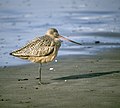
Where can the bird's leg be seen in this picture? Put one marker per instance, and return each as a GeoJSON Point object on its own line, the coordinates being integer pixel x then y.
{"type": "Point", "coordinates": [40, 69]}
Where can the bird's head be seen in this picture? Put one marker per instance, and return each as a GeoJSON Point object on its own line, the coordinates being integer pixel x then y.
{"type": "Point", "coordinates": [52, 32]}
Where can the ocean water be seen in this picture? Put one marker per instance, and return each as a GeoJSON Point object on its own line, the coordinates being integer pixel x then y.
{"type": "Point", "coordinates": [84, 21]}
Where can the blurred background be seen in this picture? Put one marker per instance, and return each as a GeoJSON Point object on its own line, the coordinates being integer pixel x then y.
{"type": "Point", "coordinates": [94, 23]}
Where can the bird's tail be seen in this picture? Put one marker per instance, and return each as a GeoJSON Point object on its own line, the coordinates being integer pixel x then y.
{"type": "Point", "coordinates": [11, 53]}
{"type": "Point", "coordinates": [14, 54]}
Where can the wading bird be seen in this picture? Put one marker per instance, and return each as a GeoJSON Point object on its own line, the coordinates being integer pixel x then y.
{"type": "Point", "coordinates": [42, 49]}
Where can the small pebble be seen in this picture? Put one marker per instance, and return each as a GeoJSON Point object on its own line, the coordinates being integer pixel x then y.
{"type": "Point", "coordinates": [56, 60]}
{"type": "Point", "coordinates": [51, 68]}
{"type": "Point", "coordinates": [22, 79]}
{"type": "Point", "coordinates": [2, 99]}
{"type": "Point", "coordinates": [65, 80]}
{"type": "Point", "coordinates": [97, 42]}
{"type": "Point", "coordinates": [36, 88]}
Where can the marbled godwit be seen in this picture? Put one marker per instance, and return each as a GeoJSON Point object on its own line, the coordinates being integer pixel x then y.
{"type": "Point", "coordinates": [42, 49]}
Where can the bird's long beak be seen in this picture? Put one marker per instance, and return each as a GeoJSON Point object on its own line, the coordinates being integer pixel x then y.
{"type": "Point", "coordinates": [69, 40]}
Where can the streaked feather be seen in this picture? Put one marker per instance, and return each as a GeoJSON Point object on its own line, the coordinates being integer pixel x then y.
{"type": "Point", "coordinates": [41, 46]}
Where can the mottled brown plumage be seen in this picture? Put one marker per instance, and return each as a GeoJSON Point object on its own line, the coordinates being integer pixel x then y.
{"type": "Point", "coordinates": [42, 49]}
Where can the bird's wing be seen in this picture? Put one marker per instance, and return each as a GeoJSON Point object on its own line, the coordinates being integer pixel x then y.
{"type": "Point", "coordinates": [41, 46]}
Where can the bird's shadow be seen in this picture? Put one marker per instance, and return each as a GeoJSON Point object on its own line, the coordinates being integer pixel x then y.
{"type": "Point", "coordinates": [88, 75]}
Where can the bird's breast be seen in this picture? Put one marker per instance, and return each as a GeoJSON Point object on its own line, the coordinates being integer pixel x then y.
{"type": "Point", "coordinates": [57, 43]}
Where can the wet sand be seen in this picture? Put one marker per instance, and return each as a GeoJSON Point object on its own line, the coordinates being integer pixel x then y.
{"type": "Point", "coordinates": [73, 82]}
{"type": "Point", "coordinates": [80, 20]}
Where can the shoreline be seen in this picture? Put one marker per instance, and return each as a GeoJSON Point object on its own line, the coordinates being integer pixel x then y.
{"type": "Point", "coordinates": [92, 46]}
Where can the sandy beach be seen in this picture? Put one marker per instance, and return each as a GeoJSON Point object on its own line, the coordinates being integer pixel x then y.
{"type": "Point", "coordinates": [85, 76]}
{"type": "Point", "coordinates": [73, 82]}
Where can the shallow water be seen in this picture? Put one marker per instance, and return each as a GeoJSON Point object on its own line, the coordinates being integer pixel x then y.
{"type": "Point", "coordinates": [81, 20]}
